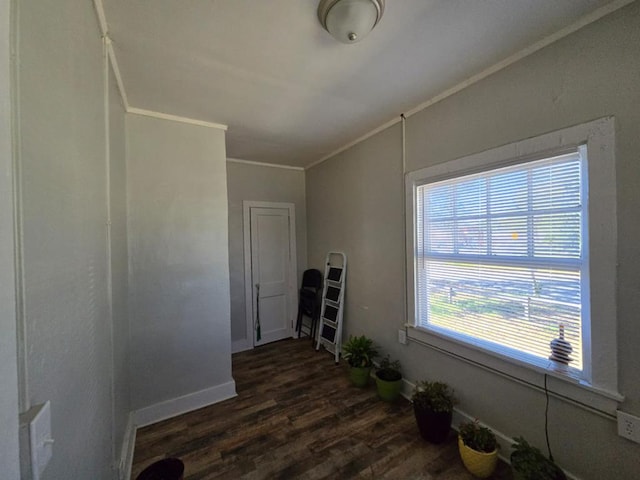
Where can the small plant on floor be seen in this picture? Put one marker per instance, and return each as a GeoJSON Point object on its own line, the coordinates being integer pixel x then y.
{"type": "Point", "coordinates": [388, 370]}
{"type": "Point", "coordinates": [389, 379]}
{"type": "Point", "coordinates": [359, 352]}
{"type": "Point", "coordinates": [433, 408]}
{"type": "Point", "coordinates": [478, 449]}
{"type": "Point", "coordinates": [529, 463]}
{"type": "Point", "coordinates": [481, 439]}
{"type": "Point", "coordinates": [435, 396]}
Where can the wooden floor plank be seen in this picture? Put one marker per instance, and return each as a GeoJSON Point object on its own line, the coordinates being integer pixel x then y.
{"type": "Point", "coordinates": [297, 417]}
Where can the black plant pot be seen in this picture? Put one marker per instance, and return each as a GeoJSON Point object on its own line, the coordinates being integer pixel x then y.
{"type": "Point", "coordinates": [434, 426]}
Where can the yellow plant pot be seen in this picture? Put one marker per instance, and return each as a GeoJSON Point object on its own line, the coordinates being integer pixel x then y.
{"type": "Point", "coordinates": [479, 464]}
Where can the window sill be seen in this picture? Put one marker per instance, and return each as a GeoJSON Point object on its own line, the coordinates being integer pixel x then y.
{"type": "Point", "coordinates": [559, 384]}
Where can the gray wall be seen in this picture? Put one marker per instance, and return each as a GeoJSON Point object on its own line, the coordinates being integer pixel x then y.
{"type": "Point", "coordinates": [8, 374]}
{"type": "Point", "coordinates": [62, 132]}
{"type": "Point", "coordinates": [266, 184]}
{"type": "Point", "coordinates": [119, 264]}
{"type": "Point", "coordinates": [593, 73]}
{"type": "Point", "coordinates": [179, 277]}
{"type": "Point", "coordinates": [354, 205]}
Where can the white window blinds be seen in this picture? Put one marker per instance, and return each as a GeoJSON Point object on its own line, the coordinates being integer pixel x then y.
{"type": "Point", "coordinates": [499, 257]}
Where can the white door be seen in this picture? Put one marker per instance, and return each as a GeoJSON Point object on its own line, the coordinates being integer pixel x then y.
{"type": "Point", "coordinates": [270, 274]}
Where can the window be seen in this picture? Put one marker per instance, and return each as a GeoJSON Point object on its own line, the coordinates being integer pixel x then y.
{"type": "Point", "coordinates": [502, 256]}
{"type": "Point", "coordinates": [499, 257]}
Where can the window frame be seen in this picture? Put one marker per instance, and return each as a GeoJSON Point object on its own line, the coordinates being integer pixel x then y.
{"type": "Point", "coordinates": [598, 386]}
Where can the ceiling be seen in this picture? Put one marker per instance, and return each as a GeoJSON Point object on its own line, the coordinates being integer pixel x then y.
{"type": "Point", "coordinates": [291, 94]}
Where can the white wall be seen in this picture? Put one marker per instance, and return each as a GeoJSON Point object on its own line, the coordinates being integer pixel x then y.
{"type": "Point", "coordinates": [8, 369]}
{"type": "Point", "coordinates": [79, 353]}
{"type": "Point", "coordinates": [63, 192]}
{"type": "Point", "coordinates": [266, 184]}
{"type": "Point", "coordinates": [179, 265]}
{"type": "Point", "coordinates": [593, 73]}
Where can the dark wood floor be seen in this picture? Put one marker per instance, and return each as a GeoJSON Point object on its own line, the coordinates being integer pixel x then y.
{"type": "Point", "coordinates": [297, 416]}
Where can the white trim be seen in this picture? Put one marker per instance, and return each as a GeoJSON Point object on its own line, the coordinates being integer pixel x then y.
{"type": "Point", "coordinates": [14, 384]}
{"type": "Point", "coordinates": [247, 205]}
{"type": "Point", "coordinates": [24, 397]}
{"type": "Point", "coordinates": [599, 136]}
{"type": "Point", "coordinates": [108, 252]}
{"type": "Point", "coordinates": [175, 118]}
{"type": "Point", "coordinates": [567, 389]}
{"type": "Point", "coordinates": [184, 404]}
{"type": "Point", "coordinates": [102, 18]}
{"type": "Point", "coordinates": [587, 19]}
{"type": "Point", "coordinates": [128, 446]}
{"type": "Point", "coordinates": [104, 30]}
{"type": "Point", "coordinates": [117, 74]}
{"type": "Point", "coordinates": [459, 416]}
{"type": "Point", "coordinates": [262, 164]}
{"type": "Point", "coordinates": [243, 345]}
{"type": "Point", "coordinates": [248, 292]}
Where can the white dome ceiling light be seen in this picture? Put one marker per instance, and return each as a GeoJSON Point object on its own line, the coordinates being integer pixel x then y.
{"type": "Point", "coordinates": [349, 21]}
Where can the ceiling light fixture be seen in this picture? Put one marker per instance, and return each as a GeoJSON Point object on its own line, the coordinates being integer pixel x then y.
{"type": "Point", "coordinates": [349, 21]}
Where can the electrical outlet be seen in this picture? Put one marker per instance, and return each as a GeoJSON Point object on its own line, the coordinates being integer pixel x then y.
{"type": "Point", "coordinates": [628, 426]}
{"type": "Point", "coordinates": [402, 336]}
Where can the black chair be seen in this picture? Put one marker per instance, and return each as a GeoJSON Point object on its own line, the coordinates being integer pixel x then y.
{"type": "Point", "coordinates": [309, 300]}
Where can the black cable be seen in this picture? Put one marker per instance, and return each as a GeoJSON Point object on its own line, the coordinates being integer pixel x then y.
{"type": "Point", "coordinates": [546, 417]}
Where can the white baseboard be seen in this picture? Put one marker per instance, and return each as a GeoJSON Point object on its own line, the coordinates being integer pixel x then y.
{"type": "Point", "coordinates": [128, 445]}
{"type": "Point", "coordinates": [459, 416]}
{"type": "Point", "coordinates": [238, 346]}
{"type": "Point", "coordinates": [187, 403]}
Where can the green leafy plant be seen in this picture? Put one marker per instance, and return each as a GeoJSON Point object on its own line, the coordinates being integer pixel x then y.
{"type": "Point", "coordinates": [434, 396]}
{"type": "Point", "coordinates": [359, 351]}
{"type": "Point", "coordinates": [481, 439]}
{"type": "Point", "coordinates": [531, 464]}
{"type": "Point", "coordinates": [389, 371]}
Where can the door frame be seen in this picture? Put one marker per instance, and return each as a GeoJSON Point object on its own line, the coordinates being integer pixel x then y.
{"type": "Point", "coordinates": [247, 205]}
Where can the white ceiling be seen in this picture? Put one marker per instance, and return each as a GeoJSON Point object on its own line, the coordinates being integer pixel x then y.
{"type": "Point", "coordinates": [288, 91]}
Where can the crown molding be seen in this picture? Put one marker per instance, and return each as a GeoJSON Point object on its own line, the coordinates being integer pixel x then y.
{"type": "Point", "coordinates": [525, 52]}
{"type": "Point", "coordinates": [175, 118]}
{"type": "Point", "coordinates": [583, 21]}
{"type": "Point", "coordinates": [263, 164]}
{"type": "Point", "coordinates": [116, 73]}
{"type": "Point", "coordinates": [104, 29]}
{"type": "Point", "coordinates": [355, 142]}
{"type": "Point", "coordinates": [102, 18]}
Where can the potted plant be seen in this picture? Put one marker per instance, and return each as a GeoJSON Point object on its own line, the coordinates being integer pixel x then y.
{"type": "Point", "coordinates": [478, 449]}
{"type": "Point", "coordinates": [529, 463]}
{"type": "Point", "coordinates": [389, 379]}
{"type": "Point", "coordinates": [359, 352]}
{"type": "Point", "coordinates": [433, 407]}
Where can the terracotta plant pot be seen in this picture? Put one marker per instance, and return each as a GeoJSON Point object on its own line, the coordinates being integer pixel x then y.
{"type": "Point", "coordinates": [479, 464]}
{"type": "Point", "coordinates": [359, 376]}
{"type": "Point", "coordinates": [434, 426]}
{"type": "Point", "coordinates": [388, 391]}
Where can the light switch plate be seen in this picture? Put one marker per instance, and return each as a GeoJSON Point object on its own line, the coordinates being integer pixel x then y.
{"type": "Point", "coordinates": [40, 439]}
{"type": "Point", "coordinates": [402, 336]}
